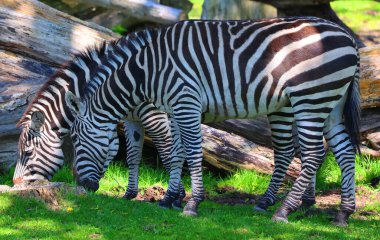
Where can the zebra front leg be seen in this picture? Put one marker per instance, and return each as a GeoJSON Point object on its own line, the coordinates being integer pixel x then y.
{"type": "Point", "coordinates": [176, 163]}
{"type": "Point", "coordinates": [312, 154]}
{"type": "Point", "coordinates": [308, 197]}
{"type": "Point", "coordinates": [189, 124]}
{"type": "Point", "coordinates": [344, 153]}
{"type": "Point", "coordinates": [134, 136]}
{"type": "Point", "coordinates": [281, 124]}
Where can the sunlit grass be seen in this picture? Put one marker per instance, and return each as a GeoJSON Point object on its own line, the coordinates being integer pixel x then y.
{"type": "Point", "coordinates": [196, 10]}
{"type": "Point", "coordinates": [246, 181]}
{"type": "Point", "coordinates": [104, 215]}
{"type": "Point", "coordinates": [329, 174]}
{"type": "Point", "coordinates": [358, 15]}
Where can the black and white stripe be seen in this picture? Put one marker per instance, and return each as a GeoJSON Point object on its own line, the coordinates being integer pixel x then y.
{"type": "Point", "coordinates": [238, 69]}
{"type": "Point", "coordinates": [47, 120]}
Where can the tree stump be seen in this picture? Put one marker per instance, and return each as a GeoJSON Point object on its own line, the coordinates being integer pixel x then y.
{"type": "Point", "coordinates": [47, 192]}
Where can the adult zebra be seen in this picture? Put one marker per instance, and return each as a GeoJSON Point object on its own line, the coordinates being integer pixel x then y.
{"type": "Point", "coordinates": [236, 69]}
{"type": "Point", "coordinates": [47, 120]}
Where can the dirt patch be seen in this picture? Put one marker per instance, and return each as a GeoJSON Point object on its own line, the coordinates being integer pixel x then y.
{"type": "Point", "coordinates": [331, 198]}
{"type": "Point", "coordinates": [370, 38]}
{"type": "Point", "coordinates": [151, 194]}
{"type": "Point", "coordinates": [233, 198]}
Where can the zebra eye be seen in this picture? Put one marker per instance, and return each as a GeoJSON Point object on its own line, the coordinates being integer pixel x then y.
{"type": "Point", "coordinates": [28, 148]}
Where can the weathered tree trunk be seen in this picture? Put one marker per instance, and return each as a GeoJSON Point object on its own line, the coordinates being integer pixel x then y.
{"type": "Point", "coordinates": [35, 40]}
{"type": "Point", "coordinates": [145, 10]}
{"type": "Point", "coordinates": [230, 152]}
{"type": "Point", "coordinates": [131, 14]}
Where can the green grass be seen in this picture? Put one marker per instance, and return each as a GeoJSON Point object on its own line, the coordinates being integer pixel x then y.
{"type": "Point", "coordinates": [104, 215]}
{"type": "Point", "coordinates": [246, 181]}
{"type": "Point", "coordinates": [359, 15]}
{"type": "Point", "coordinates": [196, 10]}
{"type": "Point", "coordinates": [329, 175]}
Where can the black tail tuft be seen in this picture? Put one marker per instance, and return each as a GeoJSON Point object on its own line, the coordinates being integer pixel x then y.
{"type": "Point", "coordinates": [352, 111]}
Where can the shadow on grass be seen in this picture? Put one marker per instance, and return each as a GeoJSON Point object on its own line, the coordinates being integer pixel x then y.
{"type": "Point", "coordinates": [103, 217]}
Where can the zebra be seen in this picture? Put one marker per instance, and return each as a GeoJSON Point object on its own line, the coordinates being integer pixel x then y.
{"type": "Point", "coordinates": [46, 122]}
{"type": "Point", "coordinates": [217, 70]}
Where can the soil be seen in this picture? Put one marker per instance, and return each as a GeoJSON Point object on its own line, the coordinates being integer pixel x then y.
{"type": "Point", "coordinates": [327, 202]}
{"type": "Point", "coordinates": [370, 38]}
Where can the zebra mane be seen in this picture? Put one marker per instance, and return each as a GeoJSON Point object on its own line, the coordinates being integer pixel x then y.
{"type": "Point", "coordinates": [132, 42]}
{"type": "Point", "coordinates": [90, 57]}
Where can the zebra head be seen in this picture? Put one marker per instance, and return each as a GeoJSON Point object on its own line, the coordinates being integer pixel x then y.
{"type": "Point", "coordinates": [93, 143]}
{"type": "Point", "coordinates": [38, 145]}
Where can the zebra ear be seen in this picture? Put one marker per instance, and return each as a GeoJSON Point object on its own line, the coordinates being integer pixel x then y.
{"type": "Point", "coordinates": [73, 102]}
{"type": "Point", "coordinates": [37, 120]}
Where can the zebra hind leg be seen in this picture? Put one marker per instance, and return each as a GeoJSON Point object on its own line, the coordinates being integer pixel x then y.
{"type": "Point", "coordinates": [344, 153]}
{"type": "Point", "coordinates": [310, 131]}
{"type": "Point", "coordinates": [281, 124]}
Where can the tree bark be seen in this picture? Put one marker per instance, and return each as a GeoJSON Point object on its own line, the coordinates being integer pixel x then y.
{"type": "Point", "coordinates": [36, 39]}
{"type": "Point", "coordinates": [149, 11]}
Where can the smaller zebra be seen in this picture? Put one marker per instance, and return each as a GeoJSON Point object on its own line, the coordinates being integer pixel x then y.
{"type": "Point", "coordinates": [46, 122]}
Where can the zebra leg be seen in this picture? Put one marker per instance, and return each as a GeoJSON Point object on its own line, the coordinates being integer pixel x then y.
{"type": "Point", "coordinates": [308, 197]}
{"type": "Point", "coordinates": [189, 124]}
{"type": "Point", "coordinates": [157, 126]}
{"type": "Point", "coordinates": [310, 130]}
{"type": "Point", "coordinates": [177, 160]}
{"type": "Point", "coordinates": [134, 137]}
{"type": "Point", "coordinates": [344, 153]}
{"type": "Point", "coordinates": [281, 124]}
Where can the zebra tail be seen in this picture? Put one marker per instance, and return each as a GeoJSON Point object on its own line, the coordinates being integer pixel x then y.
{"type": "Point", "coordinates": [352, 111]}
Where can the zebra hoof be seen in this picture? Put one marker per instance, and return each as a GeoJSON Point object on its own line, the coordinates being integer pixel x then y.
{"type": "Point", "coordinates": [257, 208]}
{"type": "Point", "coordinates": [191, 208]}
{"type": "Point", "coordinates": [341, 219]}
{"type": "Point", "coordinates": [307, 203]}
{"type": "Point", "coordinates": [177, 204]}
{"type": "Point", "coordinates": [129, 195]}
{"type": "Point", "coordinates": [262, 205]}
{"type": "Point", "coordinates": [190, 212]}
{"type": "Point", "coordinates": [165, 204]}
{"type": "Point", "coordinates": [281, 215]}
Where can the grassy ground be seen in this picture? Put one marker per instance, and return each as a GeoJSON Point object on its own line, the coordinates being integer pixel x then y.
{"type": "Point", "coordinates": [104, 215]}
{"type": "Point", "coordinates": [359, 15]}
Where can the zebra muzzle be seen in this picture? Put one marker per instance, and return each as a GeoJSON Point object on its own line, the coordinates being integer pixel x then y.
{"type": "Point", "coordinates": [89, 185]}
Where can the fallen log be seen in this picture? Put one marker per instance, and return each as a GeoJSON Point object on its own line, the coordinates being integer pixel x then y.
{"type": "Point", "coordinates": [149, 11]}
{"type": "Point", "coordinates": [230, 152]}
{"type": "Point", "coordinates": [36, 39]}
